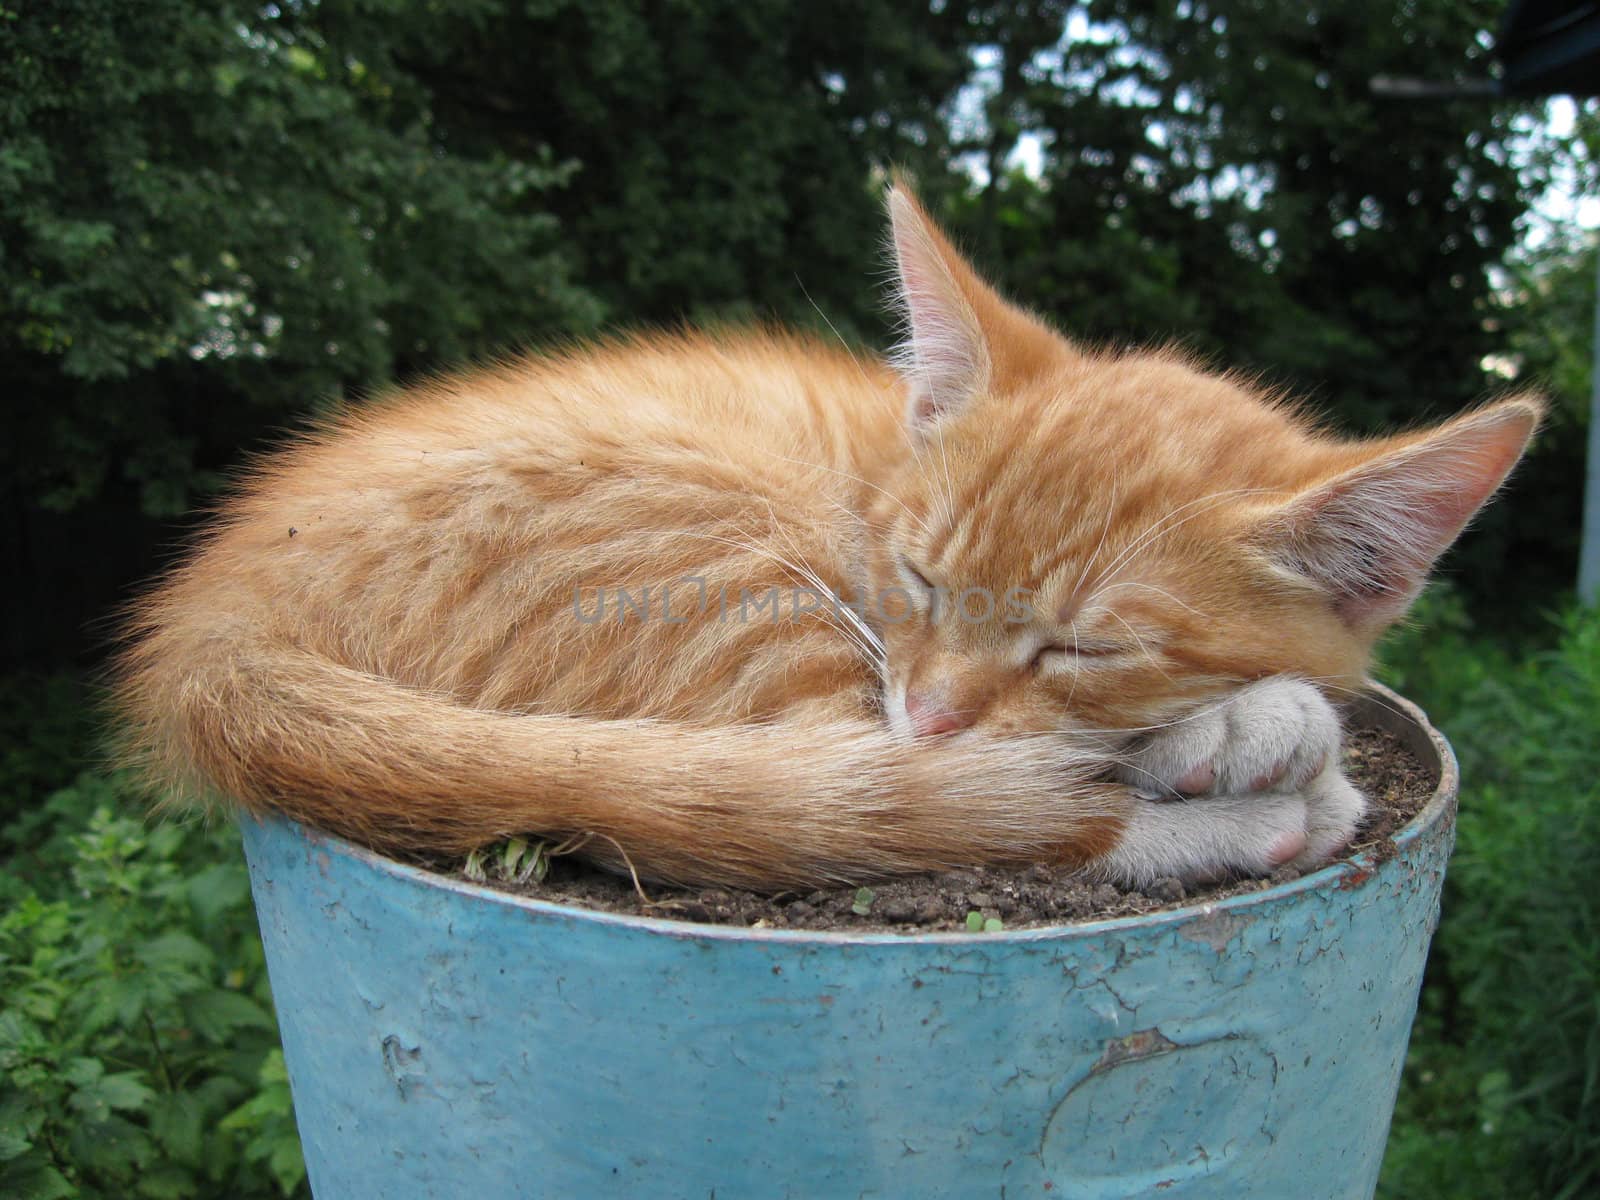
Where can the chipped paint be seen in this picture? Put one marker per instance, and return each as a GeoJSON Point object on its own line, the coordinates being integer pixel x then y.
{"type": "Point", "coordinates": [1214, 927]}
{"type": "Point", "coordinates": [1144, 1044]}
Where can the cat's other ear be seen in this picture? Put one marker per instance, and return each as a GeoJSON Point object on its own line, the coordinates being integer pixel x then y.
{"type": "Point", "coordinates": [1370, 535]}
{"type": "Point", "coordinates": [944, 355]}
{"type": "Point", "coordinates": [961, 337]}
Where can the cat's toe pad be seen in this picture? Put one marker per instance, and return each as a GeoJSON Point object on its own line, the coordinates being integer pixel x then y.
{"type": "Point", "coordinates": [1287, 848]}
{"type": "Point", "coordinates": [1334, 813]}
{"type": "Point", "coordinates": [1196, 781]}
{"type": "Point", "coordinates": [1244, 786]}
{"type": "Point", "coordinates": [1209, 838]}
{"type": "Point", "coordinates": [1276, 733]}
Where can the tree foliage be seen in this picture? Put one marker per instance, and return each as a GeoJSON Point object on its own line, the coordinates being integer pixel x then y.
{"type": "Point", "coordinates": [217, 214]}
{"type": "Point", "coordinates": [1220, 172]}
{"type": "Point", "coordinates": [726, 144]}
{"type": "Point", "coordinates": [1549, 331]}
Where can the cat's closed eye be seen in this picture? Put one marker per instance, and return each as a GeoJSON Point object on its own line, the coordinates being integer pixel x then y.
{"type": "Point", "coordinates": [1066, 654]}
{"type": "Point", "coordinates": [917, 576]}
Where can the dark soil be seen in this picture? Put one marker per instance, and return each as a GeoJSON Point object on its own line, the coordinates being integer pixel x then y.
{"type": "Point", "coordinates": [1376, 762]}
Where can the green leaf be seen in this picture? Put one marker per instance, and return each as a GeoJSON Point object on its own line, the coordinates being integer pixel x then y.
{"type": "Point", "coordinates": [863, 901]}
{"type": "Point", "coordinates": [19, 1038]}
{"type": "Point", "coordinates": [1494, 1084]}
{"type": "Point", "coordinates": [103, 1003]}
{"type": "Point", "coordinates": [993, 925]}
{"type": "Point", "coordinates": [42, 1001]}
{"type": "Point", "coordinates": [114, 1146]}
{"type": "Point", "coordinates": [510, 855]}
{"type": "Point", "coordinates": [274, 1069]}
{"type": "Point", "coordinates": [13, 1144]}
{"type": "Point", "coordinates": [21, 1118]}
{"type": "Point", "coordinates": [218, 889]}
{"type": "Point", "coordinates": [253, 1113]}
{"type": "Point", "coordinates": [974, 922]}
{"type": "Point", "coordinates": [177, 952]}
{"type": "Point", "coordinates": [539, 866]}
{"type": "Point", "coordinates": [166, 1182]}
{"type": "Point", "coordinates": [216, 1013]}
{"type": "Point", "coordinates": [83, 1072]}
{"type": "Point", "coordinates": [287, 1164]}
{"type": "Point", "coordinates": [176, 1122]}
{"type": "Point", "coordinates": [124, 1090]}
{"type": "Point", "coordinates": [34, 1178]}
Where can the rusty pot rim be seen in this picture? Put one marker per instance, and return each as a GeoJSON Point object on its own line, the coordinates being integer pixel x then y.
{"type": "Point", "coordinates": [1376, 705]}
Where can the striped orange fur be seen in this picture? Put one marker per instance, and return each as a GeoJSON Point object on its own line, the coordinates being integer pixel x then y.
{"type": "Point", "coordinates": [390, 630]}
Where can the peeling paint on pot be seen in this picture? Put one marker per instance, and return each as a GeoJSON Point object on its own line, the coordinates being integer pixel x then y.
{"type": "Point", "coordinates": [444, 1040]}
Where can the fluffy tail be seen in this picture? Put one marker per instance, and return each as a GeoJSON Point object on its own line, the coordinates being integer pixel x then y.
{"type": "Point", "coordinates": [276, 727]}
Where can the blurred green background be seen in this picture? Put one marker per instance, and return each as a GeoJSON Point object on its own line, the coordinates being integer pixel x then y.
{"type": "Point", "coordinates": [217, 218]}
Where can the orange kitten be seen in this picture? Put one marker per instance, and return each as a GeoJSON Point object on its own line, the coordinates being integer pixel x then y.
{"type": "Point", "coordinates": [746, 609]}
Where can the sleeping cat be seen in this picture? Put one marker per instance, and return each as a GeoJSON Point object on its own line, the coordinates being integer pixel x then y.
{"type": "Point", "coordinates": [747, 609]}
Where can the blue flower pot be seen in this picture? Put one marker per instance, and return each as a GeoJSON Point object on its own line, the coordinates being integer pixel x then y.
{"type": "Point", "coordinates": [446, 1040]}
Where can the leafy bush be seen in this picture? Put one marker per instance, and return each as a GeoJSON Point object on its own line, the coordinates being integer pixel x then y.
{"type": "Point", "coordinates": [1439, 657]}
{"type": "Point", "coordinates": [1502, 1090]}
{"type": "Point", "coordinates": [138, 1051]}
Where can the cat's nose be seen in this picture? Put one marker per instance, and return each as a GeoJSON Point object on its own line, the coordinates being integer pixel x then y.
{"type": "Point", "coordinates": [929, 717]}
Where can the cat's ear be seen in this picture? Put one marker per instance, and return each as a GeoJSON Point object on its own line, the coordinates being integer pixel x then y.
{"type": "Point", "coordinates": [961, 337]}
{"type": "Point", "coordinates": [944, 355]}
{"type": "Point", "coordinates": [1370, 535]}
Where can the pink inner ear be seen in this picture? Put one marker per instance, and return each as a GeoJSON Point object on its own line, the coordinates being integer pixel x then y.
{"type": "Point", "coordinates": [923, 408]}
{"type": "Point", "coordinates": [1371, 535]}
{"type": "Point", "coordinates": [944, 358]}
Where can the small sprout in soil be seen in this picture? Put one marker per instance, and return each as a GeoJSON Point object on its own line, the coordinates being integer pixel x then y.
{"type": "Point", "coordinates": [974, 922]}
{"type": "Point", "coordinates": [513, 860]}
{"type": "Point", "coordinates": [526, 862]}
{"type": "Point", "coordinates": [993, 925]}
{"type": "Point", "coordinates": [511, 855]}
{"type": "Point", "coordinates": [538, 864]}
{"type": "Point", "coordinates": [863, 902]}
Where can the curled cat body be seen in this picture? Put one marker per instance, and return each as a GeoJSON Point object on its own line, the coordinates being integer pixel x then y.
{"type": "Point", "coordinates": [749, 609]}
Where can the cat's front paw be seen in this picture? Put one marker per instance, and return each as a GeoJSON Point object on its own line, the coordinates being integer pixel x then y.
{"type": "Point", "coordinates": [1246, 785]}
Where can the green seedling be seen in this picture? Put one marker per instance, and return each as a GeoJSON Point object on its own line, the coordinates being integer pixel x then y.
{"type": "Point", "coordinates": [511, 855]}
{"type": "Point", "coordinates": [863, 901]}
{"type": "Point", "coordinates": [536, 865]}
{"type": "Point", "coordinates": [515, 860]}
